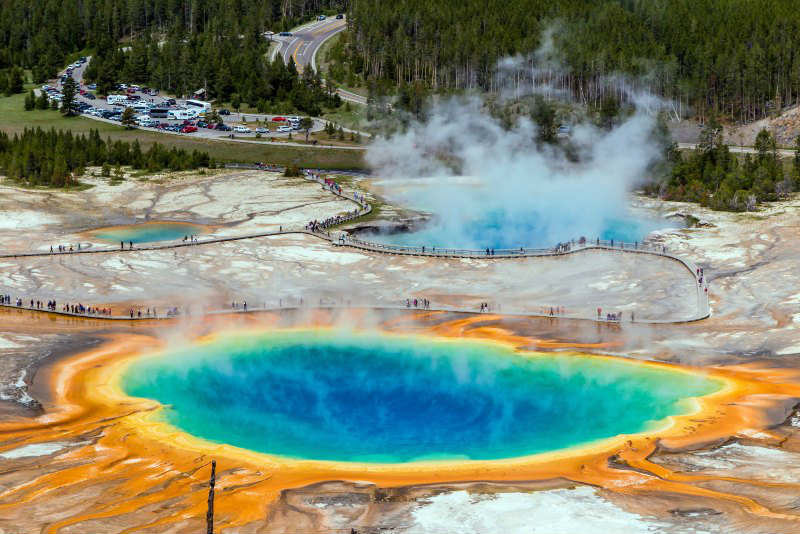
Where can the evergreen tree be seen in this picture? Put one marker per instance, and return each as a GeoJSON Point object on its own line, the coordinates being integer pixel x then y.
{"type": "Point", "coordinates": [796, 160]}
{"type": "Point", "coordinates": [128, 118]}
{"type": "Point", "coordinates": [15, 81]}
{"type": "Point", "coordinates": [41, 101]}
{"type": "Point", "coordinates": [30, 101]}
{"type": "Point", "coordinates": [68, 97]}
{"type": "Point", "coordinates": [50, 158]}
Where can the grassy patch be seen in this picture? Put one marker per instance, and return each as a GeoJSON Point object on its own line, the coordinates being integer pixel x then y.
{"type": "Point", "coordinates": [355, 118]}
{"type": "Point", "coordinates": [14, 119]}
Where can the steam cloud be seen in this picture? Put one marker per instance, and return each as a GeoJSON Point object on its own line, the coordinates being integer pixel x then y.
{"type": "Point", "coordinates": [511, 192]}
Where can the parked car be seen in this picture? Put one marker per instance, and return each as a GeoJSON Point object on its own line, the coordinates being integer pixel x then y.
{"type": "Point", "coordinates": [278, 119]}
{"type": "Point", "coordinates": [92, 86]}
{"type": "Point", "coordinates": [90, 96]}
{"type": "Point", "coordinates": [202, 124]}
{"type": "Point", "coordinates": [170, 101]}
{"type": "Point", "coordinates": [241, 129]}
{"type": "Point", "coordinates": [339, 16]}
{"type": "Point", "coordinates": [189, 129]}
{"type": "Point", "coordinates": [285, 34]}
{"type": "Point", "coordinates": [222, 127]}
{"type": "Point", "coordinates": [262, 130]}
{"type": "Point", "coordinates": [321, 17]}
{"type": "Point", "coordinates": [283, 129]}
{"type": "Point", "coordinates": [223, 111]}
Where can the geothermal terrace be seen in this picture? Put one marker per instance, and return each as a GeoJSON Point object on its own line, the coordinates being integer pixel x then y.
{"type": "Point", "coordinates": [258, 252]}
{"type": "Point", "coordinates": [732, 465]}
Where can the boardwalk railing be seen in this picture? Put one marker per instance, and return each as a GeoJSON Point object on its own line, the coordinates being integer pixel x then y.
{"type": "Point", "coordinates": [561, 248]}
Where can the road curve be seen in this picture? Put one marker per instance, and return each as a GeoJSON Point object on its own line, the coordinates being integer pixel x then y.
{"type": "Point", "coordinates": [304, 44]}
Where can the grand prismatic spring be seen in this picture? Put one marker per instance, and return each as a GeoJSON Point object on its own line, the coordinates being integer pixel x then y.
{"type": "Point", "coordinates": [355, 398]}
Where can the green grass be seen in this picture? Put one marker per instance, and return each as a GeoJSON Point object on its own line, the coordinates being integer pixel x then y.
{"type": "Point", "coordinates": [355, 119]}
{"type": "Point", "coordinates": [14, 119]}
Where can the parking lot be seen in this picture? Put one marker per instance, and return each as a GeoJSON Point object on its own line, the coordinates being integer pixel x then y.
{"type": "Point", "coordinates": [186, 119]}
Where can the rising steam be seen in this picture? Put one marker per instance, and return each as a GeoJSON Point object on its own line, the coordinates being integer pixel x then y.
{"type": "Point", "coordinates": [509, 190]}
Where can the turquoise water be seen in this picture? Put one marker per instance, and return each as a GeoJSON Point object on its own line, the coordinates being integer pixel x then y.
{"type": "Point", "coordinates": [148, 232]}
{"type": "Point", "coordinates": [378, 398]}
{"type": "Point", "coordinates": [500, 230]}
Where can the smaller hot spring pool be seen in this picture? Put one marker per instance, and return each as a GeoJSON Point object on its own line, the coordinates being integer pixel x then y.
{"type": "Point", "coordinates": [314, 394]}
{"type": "Point", "coordinates": [148, 232]}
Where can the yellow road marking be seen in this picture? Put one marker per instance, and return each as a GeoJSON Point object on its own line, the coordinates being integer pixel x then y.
{"type": "Point", "coordinates": [294, 56]}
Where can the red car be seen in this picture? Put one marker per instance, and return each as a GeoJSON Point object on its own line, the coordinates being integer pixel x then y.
{"type": "Point", "coordinates": [278, 119]}
{"type": "Point", "coordinates": [188, 129]}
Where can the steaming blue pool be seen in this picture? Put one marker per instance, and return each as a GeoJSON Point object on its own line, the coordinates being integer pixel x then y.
{"type": "Point", "coordinates": [148, 232]}
{"type": "Point", "coordinates": [501, 231]}
{"type": "Point", "coordinates": [314, 394]}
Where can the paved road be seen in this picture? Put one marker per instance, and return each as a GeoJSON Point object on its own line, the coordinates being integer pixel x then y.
{"type": "Point", "coordinates": [304, 44]}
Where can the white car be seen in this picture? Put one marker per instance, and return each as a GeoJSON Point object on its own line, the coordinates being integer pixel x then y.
{"type": "Point", "coordinates": [283, 129]}
{"type": "Point", "coordinates": [241, 129]}
{"type": "Point", "coordinates": [262, 130]}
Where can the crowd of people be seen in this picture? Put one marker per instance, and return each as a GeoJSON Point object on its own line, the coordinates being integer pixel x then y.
{"type": "Point", "coordinates": [81, 309]}
{"type": "Point", "coordinates": [320, 226]}
{"type": "Point", "coordinates": [60, 249]}
{"type": "Point", "coordinates": [52, 305]}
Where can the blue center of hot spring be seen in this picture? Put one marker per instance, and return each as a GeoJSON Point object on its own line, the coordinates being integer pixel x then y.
{"type": "Point", "coordinates": [380, 398]}
{"type": "Point", "coordinates": [501, 230]}
{"type": "Point", "coordinates": [148, 232]}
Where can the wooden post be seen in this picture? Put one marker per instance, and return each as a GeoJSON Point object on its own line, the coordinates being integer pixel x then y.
{"type": "Point", "coordinates": [210, 512]}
